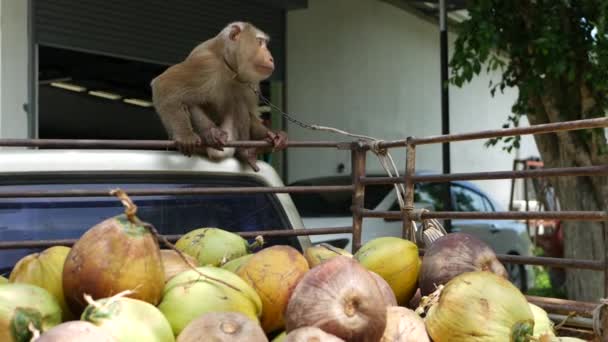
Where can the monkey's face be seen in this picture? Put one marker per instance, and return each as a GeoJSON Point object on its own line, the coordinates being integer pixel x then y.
{"type": "Point", "coordinates": [254, 60]}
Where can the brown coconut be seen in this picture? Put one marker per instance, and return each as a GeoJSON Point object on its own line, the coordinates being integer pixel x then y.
{"type": "Point", "coordinates": [222, 327]}
{"type": "Point", "coordinates": [340, 297]}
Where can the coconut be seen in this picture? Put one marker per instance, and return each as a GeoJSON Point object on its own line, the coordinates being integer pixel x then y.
{"type": "Point", "coordinates": [128, 319]}
{"type": "Point", "coordinates": [234, 264]}
{"type": "Point", "coordinates": [120, 253]}
{"type": "Point", "coordinates": [543, 326]}
{"type": "Point", "coordinates": [385, 289]}
{"type": "Point", "coordinates": [274, 272]}
{"type": "Point", "coordinates": [280, 337]}
{"type": "Point", "coordinates": [76, 331]}
{"type": "Point", "coordinates": [317, 254]}
{"type": "Point", "coordinates": [340, 297]}
{"type": "Point", "coordinates": [174, 264]}
{"type": "Point", "coordinates": [479, 306]}
{"type": "Point", "coordinates": [214, 246]}
{"type": "Point", "coordinates": [403, 325]}
{"type": "Point", "coordinates": [26, 309]}
{"type": "Point", "coordinates": [396, 260]}
{"type": "Point", "coordinates": [193, 293]}
{"type": "Point", "coordinates": [45, 270]}
{"type": "Point", "coordinates": [222, 327]}
{"type": "Point", "coordinates": [311, 334]}
{"type": "Point", "coordinates": [453, 254]}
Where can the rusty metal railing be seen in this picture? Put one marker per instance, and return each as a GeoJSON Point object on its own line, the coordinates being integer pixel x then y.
{"type": "Point", "coordinates": [581, 310]}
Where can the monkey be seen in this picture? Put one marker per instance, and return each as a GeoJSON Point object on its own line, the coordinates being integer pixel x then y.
{"type": "Point", "coordinates": [211, 96]}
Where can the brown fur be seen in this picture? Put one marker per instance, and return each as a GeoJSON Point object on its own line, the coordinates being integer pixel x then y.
{"type": "Point", "coordinates": [207, 98]}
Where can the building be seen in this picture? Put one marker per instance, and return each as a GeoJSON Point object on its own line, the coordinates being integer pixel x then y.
{"type": "Point", "coordinates": [81, 70]}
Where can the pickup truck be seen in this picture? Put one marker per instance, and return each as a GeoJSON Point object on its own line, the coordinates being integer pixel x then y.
{"type": "Point", "coordinates": [46, 218]}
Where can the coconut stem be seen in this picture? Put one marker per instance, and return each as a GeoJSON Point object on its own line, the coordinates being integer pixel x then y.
{"type": "Point", "coordinates": [428, 301]}
{"type": "Point", "coordinates": [130, 207]}
{"type": "Point", "coordinates": [181, 255]}
{"type": "Point", "coordinates": [331, 248]}
{"type": "Point", "coordinates": [35, 332]}
{"type": "Point", "coordinates": [259, 242]}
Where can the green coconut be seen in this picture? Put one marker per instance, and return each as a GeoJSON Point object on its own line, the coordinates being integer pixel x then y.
{"type": "Point", "coordinates": [128, 319]}
{"type": "Point", "coordinates": [193, 293]}
{"type": "Point", "coordinates": [215, 246]}
{"type": "Point", "coordinates": [44, 269]}
{"type": "Point", "coordinates": [479, 306]}
{"type": "Point", "coordinates": [25, 309]}
{"type": "Point", "coordinates": [235, 264]}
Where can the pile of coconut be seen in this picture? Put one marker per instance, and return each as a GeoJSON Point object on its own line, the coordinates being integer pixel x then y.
{"type": "Point", "coordinates": [117, 284]}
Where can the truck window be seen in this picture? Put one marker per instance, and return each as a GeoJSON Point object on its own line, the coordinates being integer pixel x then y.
{"type": "Point", "coordinates": [70, 217]}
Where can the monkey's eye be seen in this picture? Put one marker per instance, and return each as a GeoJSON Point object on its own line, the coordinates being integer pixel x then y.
{"type": "Point", "coordinates": [261, 41]}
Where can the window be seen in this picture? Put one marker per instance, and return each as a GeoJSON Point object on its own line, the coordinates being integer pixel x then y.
{"type": "Point", "coordinates": [335, 204]}
{"type": "Point", "coordinates": [467, 200]}
{"type": "Point", "coordinates": [428, 194]}
{"type": "Point", "coordinates": [70, 217]}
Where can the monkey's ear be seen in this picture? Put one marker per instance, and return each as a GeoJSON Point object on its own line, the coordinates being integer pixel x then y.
{"type": "Point", "coordinates": [235, 30]}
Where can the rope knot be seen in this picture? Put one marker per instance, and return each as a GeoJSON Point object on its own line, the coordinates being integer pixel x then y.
{"type": "Point", "coordinates": [375, 147]}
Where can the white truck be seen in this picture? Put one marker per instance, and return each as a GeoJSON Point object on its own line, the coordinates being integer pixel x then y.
{"type": "Point", "coordinates": [50, 218]}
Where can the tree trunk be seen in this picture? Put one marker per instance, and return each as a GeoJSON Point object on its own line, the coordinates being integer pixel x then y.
{"type": "Point", "coordinates": [582, 239]}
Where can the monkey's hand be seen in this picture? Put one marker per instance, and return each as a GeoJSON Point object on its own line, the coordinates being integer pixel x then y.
{"type": "Point", "coordinates": [278, 140]}
{"type": "Point", "coordinates": [189, 144]}
{"type": "Point", "coordinates": [249, 156]}
{"type": "Point", "coordinates": [215, 138]}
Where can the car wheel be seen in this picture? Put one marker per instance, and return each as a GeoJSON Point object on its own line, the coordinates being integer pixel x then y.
{"type": "Point", "coordinates": [517, 275]}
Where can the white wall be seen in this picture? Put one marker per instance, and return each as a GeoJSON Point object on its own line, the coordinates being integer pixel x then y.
{"type": "Point", "coordinates": [13, 68]}
{"type": "Point", "coordinates": [371, 68]}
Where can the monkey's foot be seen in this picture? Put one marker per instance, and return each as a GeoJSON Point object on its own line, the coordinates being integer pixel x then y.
{"type": "Point", "coordinates": [278, 139]}
{"type": "Point", "coordinates": [187, 146]}
{"type": "Point", "coordinates": [249, 156]}
{"type": "Point", "coordinates": [215, 138]}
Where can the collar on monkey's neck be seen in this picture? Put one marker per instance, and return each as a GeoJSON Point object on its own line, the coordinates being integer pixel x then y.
{"type": "Point", "coordinates": [236, 74]}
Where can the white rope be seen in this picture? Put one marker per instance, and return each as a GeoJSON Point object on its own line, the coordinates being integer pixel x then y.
{"type": "Point", "coordinates": [430, 230]}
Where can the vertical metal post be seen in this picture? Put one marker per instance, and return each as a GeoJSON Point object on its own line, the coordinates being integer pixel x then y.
{"type": "Point", "coordinates": [605, 233]}
{"type": "Point", "coordinates": [410, 170]}
{"type": "Point", "coordinates": [526, 168]}
{"type": "Point", "coordinates": [513, 181]}
{"type": "Point", "coordinates": [445, 101]}
{"type": "Point", "coordinates": [32, 88]}
{"type": "Point", "coordinates": [358, 159]}
{"type": "Point", "coordinates": [604, 310]}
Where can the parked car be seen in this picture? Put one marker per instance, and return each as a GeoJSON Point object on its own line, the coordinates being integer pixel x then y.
{"type": "Point", "coordinates": [40, 218]}
{"type": "Point", "coordinates": [333, 210]}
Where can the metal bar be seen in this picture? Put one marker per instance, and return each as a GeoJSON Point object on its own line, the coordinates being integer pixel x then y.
{"type": "Point", "coordinates": [552, 262]}
{"type": "Point", "coordinates": [579, 322]}
{"type": "Point", "coordinates": [358, 160]}
{"type": "Point", "coordinates": [600, 170]}
{"type": "Point", "coordinates": [536, 129]}
{"type": "Point", "coordinates": [183, 191]}
{"type": "Point", "coordinates": [173, 238]}
{"type": "Point", "coordinates": [563, 306]}
{"type": "Point", "coordinates": [147, 144]}
{"type": "Point", "coordinates": [502, 215]}
{"type": "Point", "coordinates": [545, 261]}
{"type": "Point", "coordinates": [410, 169]}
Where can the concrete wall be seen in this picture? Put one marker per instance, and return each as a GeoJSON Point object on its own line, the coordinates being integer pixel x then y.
{"type": "Point", "coordinates": [13, 68]}
{"type": "Point", "coordinates": [371, 68]}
